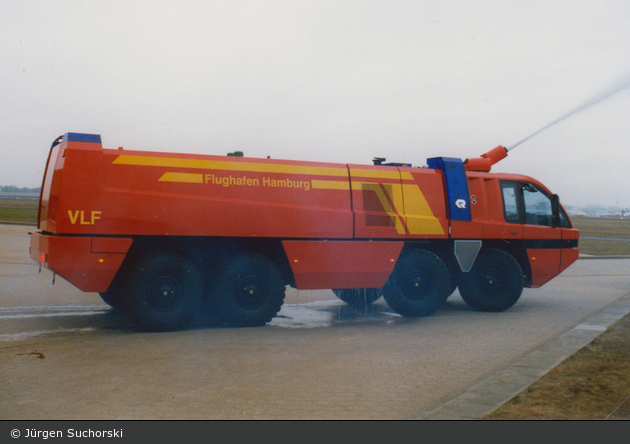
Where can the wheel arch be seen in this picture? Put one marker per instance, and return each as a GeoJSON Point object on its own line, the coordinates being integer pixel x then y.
{"type": "Point", "coordinates": [445, 249]}
{"type": "Point", "coordinates": [208, 252]}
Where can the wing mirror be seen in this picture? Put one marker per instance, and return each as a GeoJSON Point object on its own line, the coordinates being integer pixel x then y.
{"type": "Point", "coordinates": [555, 209]}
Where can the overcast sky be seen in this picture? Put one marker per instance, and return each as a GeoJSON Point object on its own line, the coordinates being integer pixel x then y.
{"type": "Point", "coordinates": [340, 81]}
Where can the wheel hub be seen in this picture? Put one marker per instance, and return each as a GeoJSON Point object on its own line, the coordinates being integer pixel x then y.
{"type": "Point", "coordinates": [164, 293]}
{"type": "Point", "coordinates": [417, 285]}
{"type": "Point", "coordinates": [490, 281]}
{"type": "Point", "coordinates": [250, 292]}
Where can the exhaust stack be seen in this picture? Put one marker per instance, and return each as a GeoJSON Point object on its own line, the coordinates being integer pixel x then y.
{"type": "Point", "coordinates": [485, 162]}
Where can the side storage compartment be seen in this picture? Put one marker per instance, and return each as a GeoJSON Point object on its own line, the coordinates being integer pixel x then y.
{"type": "Point", "coordinates": [341, 264]}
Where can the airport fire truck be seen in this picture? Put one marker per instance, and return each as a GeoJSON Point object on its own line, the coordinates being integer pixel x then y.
{"type": "Point", "coordinates": [164, 236]}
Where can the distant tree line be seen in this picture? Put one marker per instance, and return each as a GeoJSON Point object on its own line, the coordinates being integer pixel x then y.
{"type": "Point", "coordinates": [13, 189]}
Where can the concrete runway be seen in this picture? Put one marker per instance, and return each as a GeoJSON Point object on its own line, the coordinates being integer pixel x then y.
{"type": "Point", "coordinates": [65, 355]}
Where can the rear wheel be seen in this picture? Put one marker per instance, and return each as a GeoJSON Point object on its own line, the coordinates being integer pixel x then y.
{"type": "Point", "coordinates": [494, 283]}
{"type": "Point", "coordinates": [358, 297]}
{"type": "Point", "coordinates": [419, 284]}
{"type": "Point", "coordinates": [249, 291]}
{"type": "Point", "coordinates": [162, 292]}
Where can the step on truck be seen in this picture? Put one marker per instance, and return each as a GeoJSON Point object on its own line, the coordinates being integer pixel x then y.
{"type": "Point", "coordinates": [164, 236]}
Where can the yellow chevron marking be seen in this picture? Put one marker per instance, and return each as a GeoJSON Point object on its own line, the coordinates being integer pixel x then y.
{"type": "Point", "coordinates": [386, 195]}
{"type": "Point", "coordinates": [331, 184]}
{"type": "Point", "coordinates": [420, 218]}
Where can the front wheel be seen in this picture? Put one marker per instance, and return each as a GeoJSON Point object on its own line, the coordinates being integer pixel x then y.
{"type": "Point", "coordinates": [162, 292]}
{"type": "Point", "coordinates": [494, 283]}
{"type": "Point", "coordinates": [419, 285]}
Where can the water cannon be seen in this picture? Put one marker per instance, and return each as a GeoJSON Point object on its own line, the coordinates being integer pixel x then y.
{"type": "Point", "coordinates": [485, 161]}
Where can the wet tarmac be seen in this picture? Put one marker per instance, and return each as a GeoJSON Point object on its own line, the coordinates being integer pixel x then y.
{"type": "Point", "coordinates": [66, 355]}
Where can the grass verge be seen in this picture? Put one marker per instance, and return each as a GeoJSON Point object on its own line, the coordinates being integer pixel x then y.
{"type": "Point", "coordinates": [592, 384]}
{"type": "Point", "coordinates": [603, 228]}
{"type": "Point", "coordinates": [20, 211]}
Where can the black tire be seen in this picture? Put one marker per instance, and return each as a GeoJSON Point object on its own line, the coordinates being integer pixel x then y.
{"type": "Point", "coordinates": [419, 284]}
{"type": "Point", "coordinates": [113, 295]}
{"type": "Point", "coordinates": [494, 283]}
{"type": "Point", "coordinates": [249, 291]}
{"type": "Point", "coordinates": [358, 297]}
{"type": "Point", "coordinates": [162, 292]}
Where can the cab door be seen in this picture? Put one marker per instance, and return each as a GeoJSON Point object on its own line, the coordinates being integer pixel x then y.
{"type": "Point", "coordinates": [542, 238]}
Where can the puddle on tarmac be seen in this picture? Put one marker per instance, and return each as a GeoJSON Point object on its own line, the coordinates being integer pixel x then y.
{"type": "Point", "coordinates": [25, 323]}
{"type": "Point", "coordinates": [330, 312]}
{"type": "Point", "coordinates": [49, 311]}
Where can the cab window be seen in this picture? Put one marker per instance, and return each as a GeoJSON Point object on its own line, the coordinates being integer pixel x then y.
{"type": "Point", "coordinates": [511, 198]}
{"type": "Point", "coordinates": [537, 206]}
{"type": "Point", "coordinates": [529, 204]}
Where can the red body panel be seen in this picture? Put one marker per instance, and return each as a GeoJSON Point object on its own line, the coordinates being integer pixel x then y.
{"type": "Point", "coordinates": [88, 263]}
{"type": "Point", "coordinates": [341, 264]}
{"type": "Point", "coordinates": [545, 265]}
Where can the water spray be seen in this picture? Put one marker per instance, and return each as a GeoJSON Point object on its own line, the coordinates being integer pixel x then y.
{"type": "Point", "coordinates": [486, 160]}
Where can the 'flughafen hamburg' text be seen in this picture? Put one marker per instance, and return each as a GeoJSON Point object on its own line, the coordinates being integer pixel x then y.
{"type": "Point", "coordinates": [230, 180]}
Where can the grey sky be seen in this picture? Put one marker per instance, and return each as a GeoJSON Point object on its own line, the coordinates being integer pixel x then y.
{"type": "Point", "coordinates": [339, 81]}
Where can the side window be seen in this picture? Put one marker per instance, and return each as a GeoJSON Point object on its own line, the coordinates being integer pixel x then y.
{"type": "Point", "coordinates": [525, 203]}
{"type": "Point", "coordinates": [511, 208]}
{"type": "Point", "coordinates": [537, 206]}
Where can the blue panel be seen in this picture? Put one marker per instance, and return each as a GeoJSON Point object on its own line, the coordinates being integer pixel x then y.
{"type": "Point", "coordinates": [78, 137]}
{"type": "Point", "coordinates": [456, 184]}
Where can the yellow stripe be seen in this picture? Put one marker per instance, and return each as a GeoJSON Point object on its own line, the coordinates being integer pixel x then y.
{"type": "Point", "coordinates": [379, 174]}
{"type": "Point", "coordinates": [262, 167]}
{"type": "Point", "coordinates": [181, 177]}
{"type": "Point", "coordinates": [330, 184]}
{"type": "Point", "coordinates": [205, 164]}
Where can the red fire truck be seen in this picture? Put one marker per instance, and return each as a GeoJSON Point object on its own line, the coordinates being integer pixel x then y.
{"type": "Point", "coordinates": [165, 235]}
